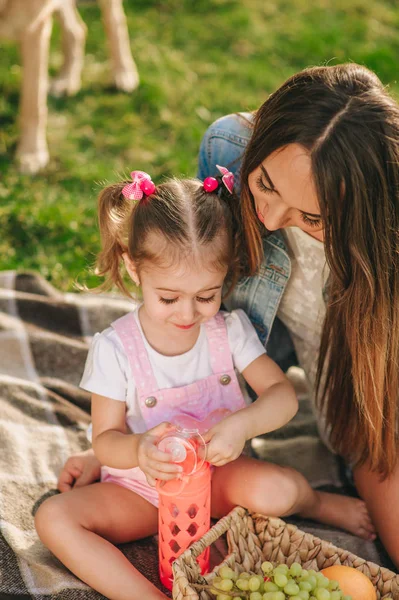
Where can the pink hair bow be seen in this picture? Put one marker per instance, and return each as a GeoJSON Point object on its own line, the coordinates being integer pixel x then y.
{"type": "Point", "coordinates": [228, 178]}
{"type": "Point", "coordinates": [141, 184]}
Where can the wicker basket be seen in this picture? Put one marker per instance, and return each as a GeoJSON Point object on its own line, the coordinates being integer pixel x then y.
{"type": "Point", "coordinates": [253, 538]}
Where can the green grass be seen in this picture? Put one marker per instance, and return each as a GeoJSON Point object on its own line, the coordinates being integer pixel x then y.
{"type": "Point", "coordinates": [198, 60]}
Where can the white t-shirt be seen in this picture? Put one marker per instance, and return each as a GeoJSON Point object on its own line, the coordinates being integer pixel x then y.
{"type": "Point", "coordinates": [107, 371]}
{"type": "Point", "coordinates": [302, 308]}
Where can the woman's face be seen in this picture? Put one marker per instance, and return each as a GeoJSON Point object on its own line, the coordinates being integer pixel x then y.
{"type": "Point", "coordinates": [284, 192]}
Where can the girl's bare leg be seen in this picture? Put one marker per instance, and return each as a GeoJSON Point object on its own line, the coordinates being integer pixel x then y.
{"type": "Point", "coordinates": [281, 491]}
{"type": "Point", "coordinates": [382, 501]}
{"type": "Point", "coordinates": [81, 527]}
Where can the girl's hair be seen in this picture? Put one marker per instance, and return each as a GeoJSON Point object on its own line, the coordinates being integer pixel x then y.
{"type": "Point", "coordinates": [179, 221]}
{"type": "Point", "coordinates": [349, 125]}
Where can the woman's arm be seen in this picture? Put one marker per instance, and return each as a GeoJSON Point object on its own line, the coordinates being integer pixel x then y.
{"type": "Point", "coordinates": [79, 470]}
{"type": "Point", "coordinates": [112, 444]}
{"type": "Point", "coordinates": [382, 500]}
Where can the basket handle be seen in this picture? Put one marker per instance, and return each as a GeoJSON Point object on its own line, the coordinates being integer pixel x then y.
{"type": "Point", "coordinates": [214, 533]}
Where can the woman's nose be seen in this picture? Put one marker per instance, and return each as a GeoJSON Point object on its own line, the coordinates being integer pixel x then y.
{"type": "Point", "coordinates": [274, 216]}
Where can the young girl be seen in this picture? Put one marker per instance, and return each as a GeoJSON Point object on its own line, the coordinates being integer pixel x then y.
{"type": "Point", "coordinates": [174, 354]}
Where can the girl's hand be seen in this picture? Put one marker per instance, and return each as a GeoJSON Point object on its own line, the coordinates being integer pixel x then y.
{"type": "Point", "coordinates": [226, 441]}
{"type": "Point", "coordinates": [154, 463]}
{"type": "Point", "coordinates": [79, 470]}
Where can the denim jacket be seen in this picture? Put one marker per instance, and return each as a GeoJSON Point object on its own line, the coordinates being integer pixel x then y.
{"type": "Point", "coordinates": [259, 296]}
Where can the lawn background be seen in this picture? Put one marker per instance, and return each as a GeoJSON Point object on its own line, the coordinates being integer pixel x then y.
{"type": "Point", "coordinates": [198, 60]}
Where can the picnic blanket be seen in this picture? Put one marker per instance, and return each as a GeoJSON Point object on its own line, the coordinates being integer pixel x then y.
{"type": "Point", "coordinates": [44, 338]}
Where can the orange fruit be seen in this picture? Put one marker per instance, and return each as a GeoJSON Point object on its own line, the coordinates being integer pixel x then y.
{"type": "Point", "coordinates": [352, 582]}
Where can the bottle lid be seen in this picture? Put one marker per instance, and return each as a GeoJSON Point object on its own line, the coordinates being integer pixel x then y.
{"type": "Point", "coordinates": [186, 448]}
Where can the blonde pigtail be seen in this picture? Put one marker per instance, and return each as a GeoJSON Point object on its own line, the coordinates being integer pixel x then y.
{"type": "Point", "coordinates": [114, 215]}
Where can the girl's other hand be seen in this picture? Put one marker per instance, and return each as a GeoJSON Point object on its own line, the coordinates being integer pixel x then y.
{"type": "Point", "coordinates": [225, 442]}
{"type": "Point", "coordinates": [154, 463]}
{"type": "Point", "coordinates": [80, 469]}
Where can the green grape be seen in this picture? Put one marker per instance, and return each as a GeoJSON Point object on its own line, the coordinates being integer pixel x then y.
{"type": "Point", "coordinates": [245, 575]}
{"type": "Point", "coordinates": [304, 575]}
{"type": "Point", "coordinates": [216, 582]}
{"type": "Point", "coordinates": [278, 595]}
{"type": "Point", "coordinates": [267, 567]}
{"type": "Point", "coordinates": [261, 588]}
{"type": "Point", "coordinates": [346, 597]}
{"type": "Point", "coordinates": [223, 597]}
{"type": "Point", "coordinates": [269, 596]}
{"type": "Point", "coordinates": [255, 596]}
{"type": "Point", "coordinates": [336, 595]}
{"type": "Point", "coordinates": [269, 586]}
{"type": "Point", "coordinates": [322, 582]}
{"type": "Point", "coordinates": [295, 569]}
{"type": "Point", "coordinates": [295, 598]}
{"type": "Point", "coordinates": [283, 567]}
{"type": "Point", "coordinates": [303, 594]}
{"type": "Point", "coordinates": [291, 589]}
{"type": "Point", "coordinates": [254, 584]}
{"type": "Point", "coordinates": [226, 573]}
{"type": "Point", "coordinates": [322, 593]}
{"type": "Point", "coordinates": [305, 585]}
{"type": "Point", "coordinates": [242, 584]}
{"type": "Point", "coordinates": [312, 580]}
{"type": "Point", "coordinates": [280, 579]}
{"type": "Point", "coordinates": [333, 585]}
{"type": "Point", "coordinates": [312, 572]}
{"type": "Point", "coordinates": [226, 585]}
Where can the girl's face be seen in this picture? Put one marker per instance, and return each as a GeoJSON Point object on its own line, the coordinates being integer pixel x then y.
{"type": "Point", "coordinates": [284, 192]}
{"type": "Point", "coordinates": [179, 298]}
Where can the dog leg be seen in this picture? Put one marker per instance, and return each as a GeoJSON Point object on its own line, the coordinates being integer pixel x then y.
{"type": "Point", "coordinates": [68, 81]}
{"type": "Point", "coordinates": [32, 151]}
{"type": "Point", "coordinates": [125, 72]}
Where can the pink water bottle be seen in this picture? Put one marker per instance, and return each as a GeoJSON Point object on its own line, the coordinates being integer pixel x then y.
{"type": "Point", "coordinates": [184, 503]}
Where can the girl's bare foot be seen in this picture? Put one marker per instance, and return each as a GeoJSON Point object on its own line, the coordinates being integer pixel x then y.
{"type": "Point", "coordinates": [344, 512]}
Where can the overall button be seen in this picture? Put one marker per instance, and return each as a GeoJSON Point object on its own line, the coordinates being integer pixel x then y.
{"type": "Point", "coordinates": [150, 401]}
{"type": "Point", "coordinates": [225, 379]}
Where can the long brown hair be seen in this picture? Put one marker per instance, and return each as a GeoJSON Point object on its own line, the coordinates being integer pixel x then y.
{"type": "Point", "coordinates": [349, 125]}
{"type": "Point", "coordinates": [191, 224]}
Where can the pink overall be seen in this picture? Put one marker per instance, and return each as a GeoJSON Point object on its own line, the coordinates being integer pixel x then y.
{"type": "Point", "coordinates": [197, 400]}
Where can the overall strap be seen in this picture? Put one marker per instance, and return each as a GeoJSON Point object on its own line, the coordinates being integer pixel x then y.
{"type": "Point", "coordinates": [219, 349]}
{"type": "Point", "coordinates": [131, 337]}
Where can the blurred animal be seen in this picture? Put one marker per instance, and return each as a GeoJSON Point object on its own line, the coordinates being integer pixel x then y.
{"type": "Point", "coordinates": [30, 23]}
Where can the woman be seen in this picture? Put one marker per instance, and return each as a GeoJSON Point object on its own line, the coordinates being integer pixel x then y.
{"type": "Point", "coordinates": [320, 211]}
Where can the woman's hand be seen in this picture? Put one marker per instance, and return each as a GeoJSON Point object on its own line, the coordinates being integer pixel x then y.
{"type": "Point", "coordinates": [154, 463]}
{"type": "Point", "coordinates": [80, 469]}
{"type": "Point", "coordinates": [225, 441]}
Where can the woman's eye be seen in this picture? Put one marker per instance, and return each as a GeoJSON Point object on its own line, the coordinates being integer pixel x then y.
{"type": "Point", "coordinates": [211, 299]}
{"type": "Point", "coordinates": [311, 222]}
{"type": "Point", "coordinates": [261, 186]}
{"type": "Point", "coordinates": [168, 300]}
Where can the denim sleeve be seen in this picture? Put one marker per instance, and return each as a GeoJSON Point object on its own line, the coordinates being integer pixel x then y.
{"type": "Point", "coordinates": [223, 144]}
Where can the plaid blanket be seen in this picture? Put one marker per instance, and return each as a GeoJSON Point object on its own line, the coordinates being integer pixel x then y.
{"type": "Point", "coordinates": [44, 337]}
